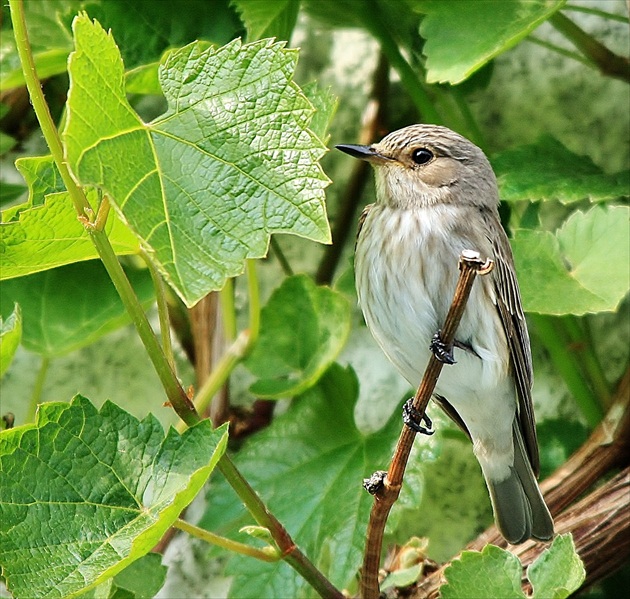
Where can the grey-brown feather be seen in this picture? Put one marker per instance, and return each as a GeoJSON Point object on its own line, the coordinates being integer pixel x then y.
{"type": "Point", "coordinates": [513, 320]}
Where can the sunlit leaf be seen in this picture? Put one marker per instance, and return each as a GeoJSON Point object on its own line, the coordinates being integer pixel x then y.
{"type": "Point", "coordinates": [230, 162]}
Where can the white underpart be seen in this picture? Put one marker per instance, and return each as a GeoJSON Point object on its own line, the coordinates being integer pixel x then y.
{"type": "Point", "coordinates": [406, 304]}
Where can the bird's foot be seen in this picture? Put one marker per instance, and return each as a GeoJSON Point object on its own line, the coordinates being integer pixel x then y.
{"type": "Point", "coordinates": [442, 351]}
{"type": "Point", "coordinates": [416, 421]}
{"type": "Point", "coordinates": [375, 483]}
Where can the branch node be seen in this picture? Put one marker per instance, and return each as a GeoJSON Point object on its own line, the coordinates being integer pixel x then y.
{"type": "Point", "coordinates": [375, 483]}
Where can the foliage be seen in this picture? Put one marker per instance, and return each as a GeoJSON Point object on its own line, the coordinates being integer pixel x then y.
{"type": "Point", "coordinates": [184, 152]}
{"type": "Point", "coordinates": [138, 484]}
{"type": "Point", "coordinates": [493, 572]}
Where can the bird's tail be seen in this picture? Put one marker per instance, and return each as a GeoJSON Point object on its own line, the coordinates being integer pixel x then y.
{"type": "Point", "coordinates": [520, 511]}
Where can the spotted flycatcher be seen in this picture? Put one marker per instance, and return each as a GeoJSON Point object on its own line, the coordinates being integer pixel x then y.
{"type": "Point", "coordinates": [436, 196]}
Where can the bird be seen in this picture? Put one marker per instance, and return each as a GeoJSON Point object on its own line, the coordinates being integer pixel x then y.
{"type": "Point", "coordinates": [437, 195]}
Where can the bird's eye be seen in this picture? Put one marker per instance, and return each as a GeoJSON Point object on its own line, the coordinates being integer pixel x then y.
{"type": "Point", "coordinates": [421, 155]}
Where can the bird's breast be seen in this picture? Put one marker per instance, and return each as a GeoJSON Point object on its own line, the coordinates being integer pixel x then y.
{"type": "Point", "coordinates": [406, 268]}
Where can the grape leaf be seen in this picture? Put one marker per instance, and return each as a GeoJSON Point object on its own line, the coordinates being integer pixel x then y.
{"type": "Point", "coordinates": [558, 571]}
{"type": "Point", "coordinates": [231, 161]}
{"type": "Point", "coordinates": [50, 327]}
{"type": "Point", "coordinates": [45, 232]}
{"type": "Point", "coordinates": [268, 18]}
{"type": "Point", "coordinates": [303, 329]}
{"type": "Point", "coordinates": [84, 493]}
{"type": "Point", "coordinates": [145, 29]}
{"type": "Point", "coordinates": [485, 574]}
{"type": "Point", "coordinates": [582, 268]}
{"type": "Point", "coordinates": [462, 36]}
{"type": "Point", "coordinates": [547, 170]}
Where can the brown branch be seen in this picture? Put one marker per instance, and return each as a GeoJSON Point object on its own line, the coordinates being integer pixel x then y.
{"type": "Point", "coordinates": [600, 523]}
{"type": "Point", "coordinates": [373, 118]}
{"type": "Point", "coordinates": [470, 266]}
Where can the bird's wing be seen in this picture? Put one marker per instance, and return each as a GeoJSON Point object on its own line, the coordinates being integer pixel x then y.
{"type": "Point", "coordinates": [508, 300]}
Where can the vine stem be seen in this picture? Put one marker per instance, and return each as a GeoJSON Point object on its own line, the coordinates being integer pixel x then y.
{"type": "Point", "coordinates": [81, 205]}
{"type": "Point", "coordinates": [289, 550]}
{"type": "Point", "coordinates": [181, 403]}
{"type": "Point", "coordinates": [595, 11]}
{"type": "Point", "coordinates": [267, 554]}
{"type": "Point", "coordinates": [253, 291]}
{"type": "Point", "coordinates": [387, 491]}
{"type": "Point", "coordinates": [176, 394]}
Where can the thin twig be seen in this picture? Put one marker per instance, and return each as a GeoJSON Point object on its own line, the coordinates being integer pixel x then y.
{"type": "Point", "coordinates": [598, 13]}
{"type": "Point", "coordinates": [607, 62]}
{"type": "Point", "coordinates": [274, 244]}
{"type": "Point", "coordinates": [470, 266]}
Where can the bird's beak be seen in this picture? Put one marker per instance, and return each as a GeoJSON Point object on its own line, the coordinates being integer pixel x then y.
{"type": "Point", "coordinates": [368, 153]}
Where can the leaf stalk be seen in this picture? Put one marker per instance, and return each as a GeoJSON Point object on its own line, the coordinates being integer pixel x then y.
{"type": "Point", "coordinates": [162, 307]}
{"type": "Point", "coordinates": [267, 554]}
{"type": "Point", "coordinates": [607, 62]}
{"type": "Point", "coordinates": [36, 396]}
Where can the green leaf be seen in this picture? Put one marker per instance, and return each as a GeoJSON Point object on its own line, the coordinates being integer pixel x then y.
{"type": "Point", "coordinates": [48, 63]}
{"type": "Point", "coordinates": [41, 176]}
{"type": "Point", "coordinates": [488, 574]}
{"type": "Point", "coordinates": [83, 493]}
{"type": "Point", "coordinates": [325, 103]}
{"type": "Point", "coordinates": [230, 162]}
{"type": "Point", "coordinates": [6, 143]}
{"type": "Point", "coordinates": [558, 572]}
{"type": "Point", "coordinates": [10, 336]}
{"type": "Point", "coordinates": [50, 327]}
{"type": "Point", "coordinates": [268, 18]}
{"type": "Point", "coordinates": [308, 466]}
{"type": "Point", "coordinates": [50, 39]}
{"type": "Point", "coordinates": [596, 246]}
{"type": "Point", "coordinates": [51, 235]}
{"type": "Point", "coordinates": [144, 30]}
{"type": "Point", "coordinates": [143, 80]}
{"type": "Point", "coordinates": [142, 579]}
{"type": "Point", "coordinates": [463, 36]}
{"type": "Point", "coordinates": [45, 232]}
{"type": "Point", "coordinates": [303, 329]}
{"type": "Point", "coordinates": [9, 192]}
{"type": "Point", "coordinates": [547, 170]}
{"type": "Point", "coordinates": [581, 269]}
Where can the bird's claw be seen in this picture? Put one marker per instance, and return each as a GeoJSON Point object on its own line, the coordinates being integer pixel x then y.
{"type": "Point", "coordinates": [442, 351]}
{"type": "Point", "coordinates": [414, 420]}
{"type": "Point", "coordinates": [375, 483]}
